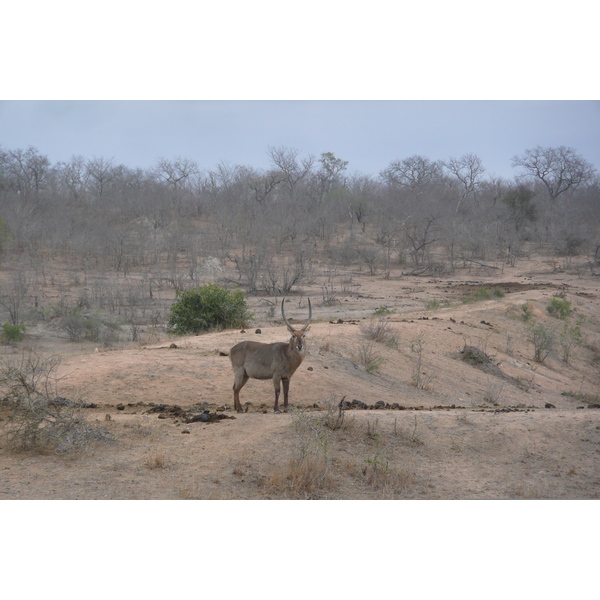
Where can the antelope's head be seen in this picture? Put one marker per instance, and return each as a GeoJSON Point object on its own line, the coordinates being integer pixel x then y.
{"type": "Point", "coordinates": [298, 339]}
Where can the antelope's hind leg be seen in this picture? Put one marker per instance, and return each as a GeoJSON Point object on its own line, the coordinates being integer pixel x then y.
{"type": "Point", "coordinates": [277, 386]}
{"type": "Point", "coordinates": [240, 380]}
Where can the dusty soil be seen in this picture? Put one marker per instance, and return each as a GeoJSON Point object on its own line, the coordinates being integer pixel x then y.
{"type": "Point", "coordinates": [449, 430]}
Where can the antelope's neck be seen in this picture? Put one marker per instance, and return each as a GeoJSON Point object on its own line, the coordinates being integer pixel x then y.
{"type": "Point", "coordinates": [294, 352]}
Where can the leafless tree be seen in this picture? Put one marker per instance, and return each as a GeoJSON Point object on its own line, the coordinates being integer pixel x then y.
{"type": "Point", "coordinates": [420, 234]}
{"type": "Point", "coordinates": [466, 172]}
{"type": "Point", "coordinates": [176, 172]}
{"type": "Point", "coordinates": [26, 171]}
{"type": "Point", "coordinates": [414, 173]}
{"type": "Point", "coordinates": [560, 169]}
{"type": "Point", "coordinates": [264, 184]}
{"type": "Point", "coordinates": [73, 174]}
{"type": "Point", "coordinates": [100, 173]}
{"type": "Point", "coordinates": [286, 160]}
{"type": "Point", "coordinates": [14, 298]}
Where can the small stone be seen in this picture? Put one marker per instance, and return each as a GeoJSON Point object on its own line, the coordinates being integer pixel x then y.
{"type": "Point", "coordinates": [549, 405]}
{"type": "Point", "coordinates": [173, 346]}
{"type": "Point", "coordinates": [185, 431]}
{"type": "Point", "coordinates": [309, 369]}
{"type": "Point", "coordinates": [258, 331]}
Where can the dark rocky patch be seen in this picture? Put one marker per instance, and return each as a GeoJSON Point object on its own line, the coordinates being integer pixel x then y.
{"type": "Point", "coordinates": [480, 360]}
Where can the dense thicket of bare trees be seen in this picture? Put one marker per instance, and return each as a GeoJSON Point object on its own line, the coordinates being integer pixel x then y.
{"type": "Point", "coordinates": [268, 224]}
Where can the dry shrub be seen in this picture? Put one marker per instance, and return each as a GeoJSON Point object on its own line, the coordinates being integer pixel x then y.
{"type": "Point", "coordinates": [307, 473]}
{"type": "Point", "coordinates": [367, 356]}
{"type": "Point", "coordinates": [380, 475]}
{"type": "Point", "coordinates": [379, 331]}
{"type": "Point", "coordinates": [334, 416]}
{"type": "Point", "coordinates": [302, 477]}
{"type": "Point", "coordinates": [378, 470]}
{"type": "Point", "coordinates": [39, 420]}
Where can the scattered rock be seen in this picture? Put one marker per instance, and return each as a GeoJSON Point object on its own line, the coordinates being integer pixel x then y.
{"type": "Point", "coordinates": [549, 405]}
{"type": "Point", "coordinates": [185, 431]}
{"type": "Point", "coordinates": [59, 401]}
{"type": "Point", "coordinates": [166, 410]}
{"type": "Point", "coordinates": [173, 346]}
{"type": "Point", "coordinates": [120, 407]}
{"type": "Point", "coordinates": [258, 331]}
{"type": "Point", "coordinates": [309, 369]}
{"type": "Point", "coordinates": [358, 404]}
{"type": "Point", "coordinates": [344, 404]}
{"type": "Point", "coordinates": [480, 360]}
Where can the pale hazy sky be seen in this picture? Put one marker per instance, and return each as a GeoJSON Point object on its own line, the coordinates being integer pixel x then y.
{"type": "Point", "coordinates": [369, 134]}
{"type": "Point", "coordinates": [231, 78]}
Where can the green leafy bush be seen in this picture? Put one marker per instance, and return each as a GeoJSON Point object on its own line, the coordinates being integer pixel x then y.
{"type": "Point", "coordinates": [543, 339]}
{"type": "Point", "coordinates": [559, 307]}
{"type": "Point", "coordinates": [207, 308]}
{"type": "Point", "coordinates": [12, 333]}
{"type": "Point", "coordinates": [381, 310]}
{"type": "Point", "coordinates": [485, 294]}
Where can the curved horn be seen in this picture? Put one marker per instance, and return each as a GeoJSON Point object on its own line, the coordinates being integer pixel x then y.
{"type": "Point", "coordinates": [283, 315]}
{"type": "Point", "coordinates": [288, 324]}
{"type": "Point", "coordinates": [309, 316]}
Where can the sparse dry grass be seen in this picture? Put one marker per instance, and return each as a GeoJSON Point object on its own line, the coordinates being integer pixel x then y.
{"type": "Point", "coordinates": [156, 461]}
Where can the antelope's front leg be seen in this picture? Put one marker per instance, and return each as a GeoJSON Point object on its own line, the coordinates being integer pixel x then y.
{"type": "Point", "coordinates": [286, 389]}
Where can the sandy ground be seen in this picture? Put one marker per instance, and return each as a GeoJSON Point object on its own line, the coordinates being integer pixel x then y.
{"type": "Point", "coordinates": [462, 433]}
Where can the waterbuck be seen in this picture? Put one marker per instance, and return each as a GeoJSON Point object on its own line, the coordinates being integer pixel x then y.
{"type": "Point", "coordinates": [277, 361]}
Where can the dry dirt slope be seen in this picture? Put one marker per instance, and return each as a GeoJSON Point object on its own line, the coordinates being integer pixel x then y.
{"type": "Point", "coordinates": [470, 434]}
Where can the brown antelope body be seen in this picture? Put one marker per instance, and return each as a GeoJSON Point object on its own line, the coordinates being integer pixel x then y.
{"type": "Point", "coordinates": [277, 361]}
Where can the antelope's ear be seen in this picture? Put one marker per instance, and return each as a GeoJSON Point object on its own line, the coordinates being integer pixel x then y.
{"type": "Point", "coordinates": [307, 329]}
